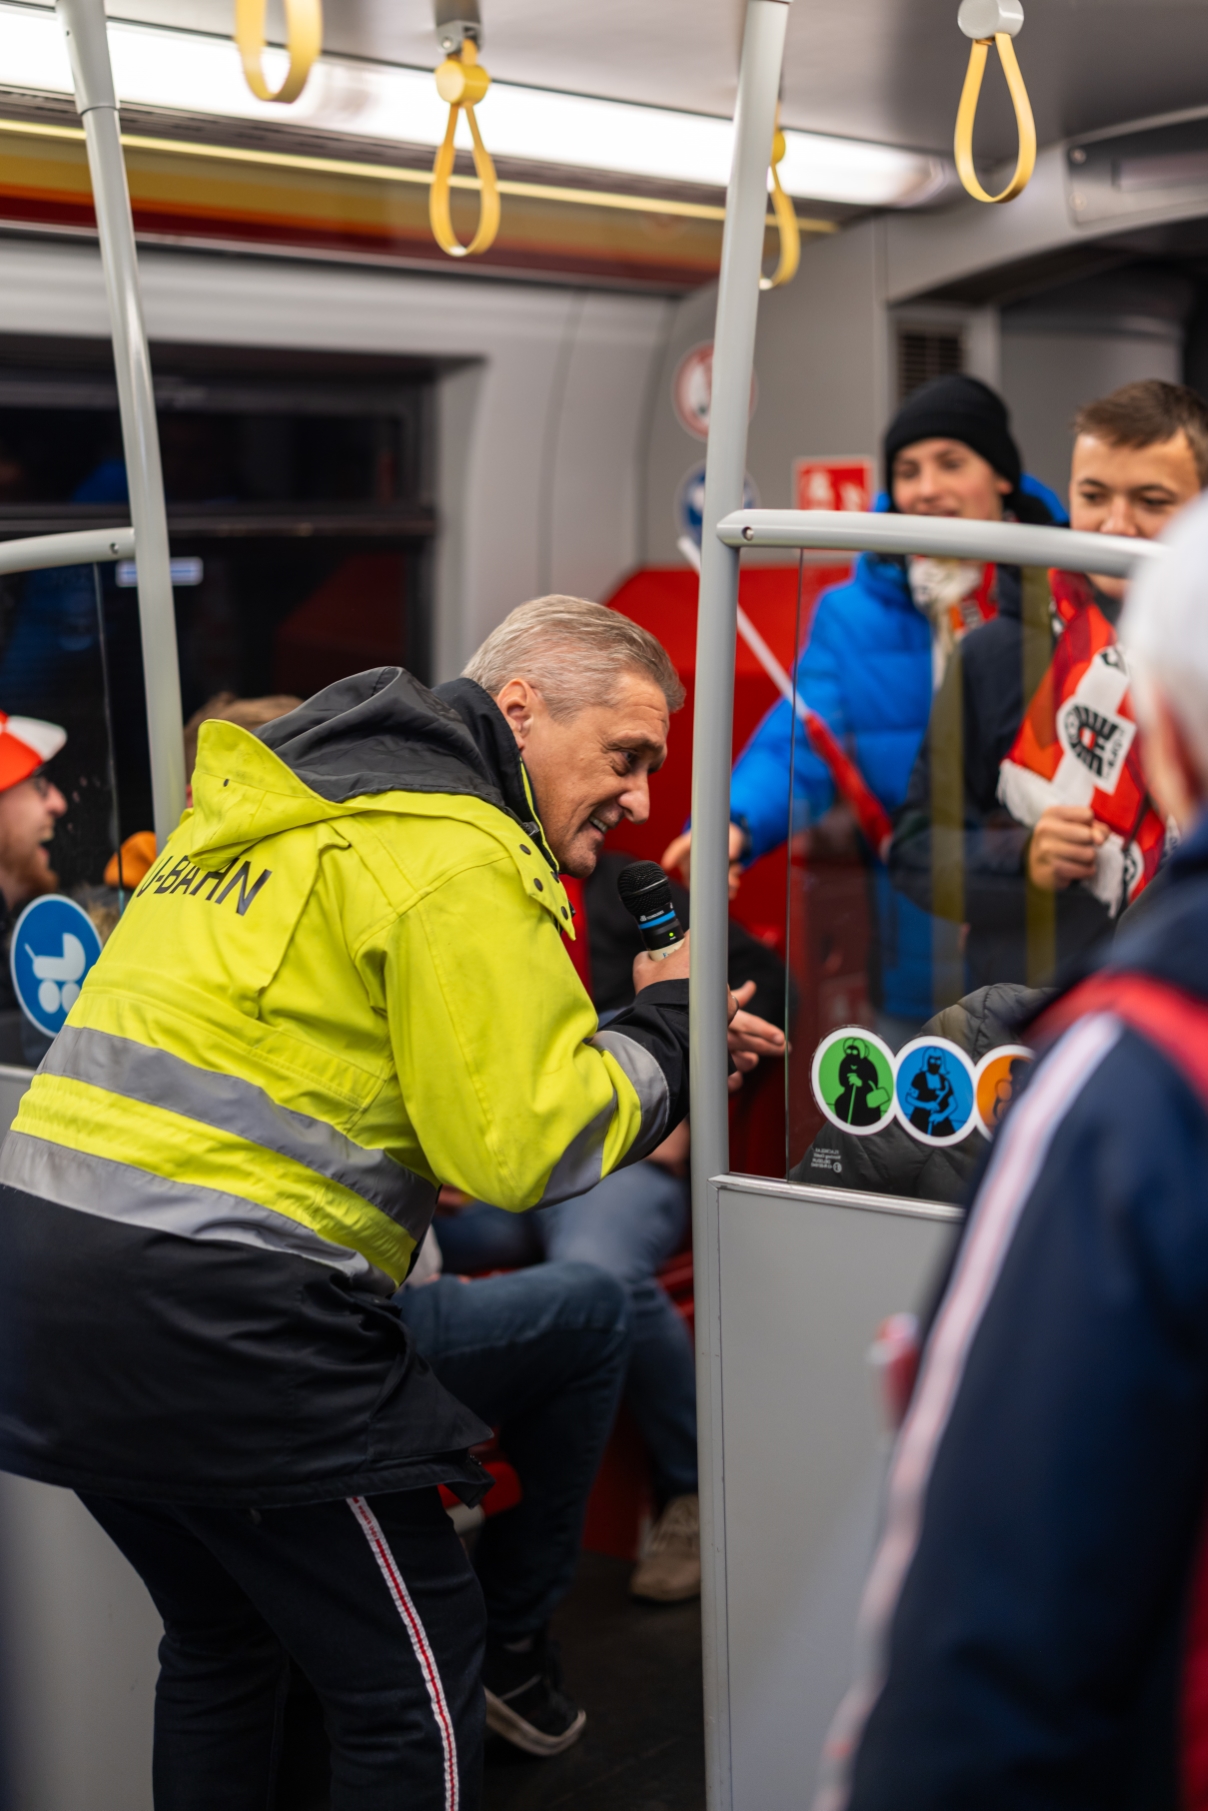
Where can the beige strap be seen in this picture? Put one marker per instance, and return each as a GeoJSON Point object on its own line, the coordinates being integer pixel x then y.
{"type": "Point", "coordinates": [966, 113]}
{"type": "Point", "coordinates": [304, 40]}
{"type": "Point", "coordinates": [462, 81]}
{"type": "Point", "coordinates": [786, 221]}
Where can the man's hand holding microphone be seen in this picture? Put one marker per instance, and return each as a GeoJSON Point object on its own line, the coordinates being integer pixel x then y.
{"type": "Point", "coordinates": [646, 895]}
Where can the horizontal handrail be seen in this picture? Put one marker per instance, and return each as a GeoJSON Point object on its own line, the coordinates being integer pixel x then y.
{"type": "Point", "coordinates": [80, 547]}
{"type": "Point", "coordinates": [941, 537]}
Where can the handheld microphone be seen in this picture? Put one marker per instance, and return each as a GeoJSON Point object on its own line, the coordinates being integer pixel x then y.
{"type": "Point", "coordinates": [646, 895]}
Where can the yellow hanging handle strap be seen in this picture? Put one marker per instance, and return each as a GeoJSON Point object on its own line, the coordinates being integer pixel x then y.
{"type": "Point", "coordinates": [462, 81]}
{"type": "Point", "coordinates": [786, 221]}
{"type": "Point", "coordinates": [993, 22]}
{"type": "Point", "coordinates": [304, 40]}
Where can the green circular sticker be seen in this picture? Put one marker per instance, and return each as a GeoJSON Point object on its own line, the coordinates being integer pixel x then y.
{"type": "Point", "coordinates": [853, 1080]}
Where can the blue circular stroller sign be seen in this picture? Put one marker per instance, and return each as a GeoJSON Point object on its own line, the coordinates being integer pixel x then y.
{"type": "Point", "coordinates": [54, 945]}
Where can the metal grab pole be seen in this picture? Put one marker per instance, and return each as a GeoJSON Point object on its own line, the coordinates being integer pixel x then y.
{"type": "Point", "coordinates": [83, 24]}
{"type": "Point", "coordinates": [733, 360]}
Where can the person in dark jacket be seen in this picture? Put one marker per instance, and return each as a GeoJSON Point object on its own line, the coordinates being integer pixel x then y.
{"type": "Point", "coordinates": [877, 647]}
{"type": "Point", "coordinates": [894, 1163]}
{"type": "Point", "coordinates": [1035, 1625]}
{"type": "Point", "coordinates": [1139, 457]}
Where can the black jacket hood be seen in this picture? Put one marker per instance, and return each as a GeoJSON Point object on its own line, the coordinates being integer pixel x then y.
{"type": "Point", "coordinates": [382, 731]}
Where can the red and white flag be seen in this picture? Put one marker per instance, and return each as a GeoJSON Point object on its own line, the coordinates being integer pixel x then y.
{"type": "Point", "coordinates": [1077, 745]}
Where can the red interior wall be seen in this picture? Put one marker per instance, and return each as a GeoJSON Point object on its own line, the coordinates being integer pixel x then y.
{"type": "Point", "coordinates": [663, 600]}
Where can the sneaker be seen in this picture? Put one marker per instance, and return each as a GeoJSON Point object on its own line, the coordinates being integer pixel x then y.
{"type": "Point", "coordinates": [525, 1701]}
{"type": "Point", "coordinates": [669, 1569]}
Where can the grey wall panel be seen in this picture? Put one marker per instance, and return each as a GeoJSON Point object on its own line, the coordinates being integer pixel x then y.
{"type": "Point", "coordinates": [80, 1640]}
{"type": "Point", "coordinates": [1047, 375]}
{"type": "Point", "coordinates": [806, 1278]}
{"type": "Point", "coordinates": [822, 368]}
{"type": "Point", "coordinates": [671, 451]}
{"type": "Point", "coordinates": [595, 441]}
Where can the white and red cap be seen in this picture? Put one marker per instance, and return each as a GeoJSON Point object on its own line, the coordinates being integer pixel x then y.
{"type": "Point", "coordinates": [26, 743]}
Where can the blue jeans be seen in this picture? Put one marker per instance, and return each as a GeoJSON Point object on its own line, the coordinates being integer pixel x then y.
{"type": "Point", "coordinates": [628, 1225]}
{"type": "Point", "coordinates": [541, 1355]}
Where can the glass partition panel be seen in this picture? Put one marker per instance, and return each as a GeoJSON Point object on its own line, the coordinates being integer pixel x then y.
{"type": "Point", "coordinates": [934, 884]}
{"type": "Point", "coordinates": [59, 820]}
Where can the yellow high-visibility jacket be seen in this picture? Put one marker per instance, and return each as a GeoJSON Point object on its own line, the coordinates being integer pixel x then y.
{"type": "Point", "coordinates": [327, 998]}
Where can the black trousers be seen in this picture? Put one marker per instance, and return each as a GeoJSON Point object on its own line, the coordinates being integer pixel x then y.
{"type": "Point", "coordinates": [375, 1601]}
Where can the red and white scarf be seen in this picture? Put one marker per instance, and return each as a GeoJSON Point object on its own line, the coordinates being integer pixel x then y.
{"type": "Point", "coordinates": [1077, 745]}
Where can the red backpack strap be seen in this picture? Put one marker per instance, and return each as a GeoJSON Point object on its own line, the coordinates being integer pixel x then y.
{"type": "Point", "coordinates": [1176, 1023]}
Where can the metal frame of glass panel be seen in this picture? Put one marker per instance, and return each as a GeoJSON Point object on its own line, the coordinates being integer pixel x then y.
{"type": "Point", "coordinates": [83, 24]}
{"type": "Point", "coordinates": [735, 528]}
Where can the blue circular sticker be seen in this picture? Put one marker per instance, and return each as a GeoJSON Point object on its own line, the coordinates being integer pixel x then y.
{"type": "Point", "coordinates": [690, 501]}
{"type": "Point", "coordinates": [54, 945]}
{"type": "Point", "coordinates": [935, 1094]}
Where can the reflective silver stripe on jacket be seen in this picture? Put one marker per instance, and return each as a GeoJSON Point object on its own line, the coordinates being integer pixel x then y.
{"type": "Point", "coordinates": [650, 1085]}
{"type": "Point", "coordinates": [230, 1104]}
{"type": "Point", "coordinates": [581, 1164]}
{"type": "Point", "coordinates": [133, 1197]}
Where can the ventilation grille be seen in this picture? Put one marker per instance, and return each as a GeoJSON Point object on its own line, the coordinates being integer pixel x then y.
{"type": "Point", "coordinates": [924, 353]}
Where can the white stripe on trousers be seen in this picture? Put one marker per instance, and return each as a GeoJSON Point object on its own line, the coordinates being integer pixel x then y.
{"type": "Point", "coordinates": [1021, 1150]}
{"type": "Point", "coordinates": [397, 1587]}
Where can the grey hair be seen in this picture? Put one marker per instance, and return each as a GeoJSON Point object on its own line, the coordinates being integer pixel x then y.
{"type": "Point", "coordinates": [1164, 629]}
{"type": "Point", "coordinates": [573, 652]}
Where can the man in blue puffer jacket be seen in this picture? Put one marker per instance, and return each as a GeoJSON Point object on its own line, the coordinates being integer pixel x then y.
{"type": "Point", "coordinates": [876, 649]}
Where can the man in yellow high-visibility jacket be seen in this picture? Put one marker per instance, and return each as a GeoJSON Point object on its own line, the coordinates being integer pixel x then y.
{"type": "Point", "coordinates": [342, 984]}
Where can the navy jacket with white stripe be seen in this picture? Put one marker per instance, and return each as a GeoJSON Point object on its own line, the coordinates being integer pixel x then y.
{"type": "Point", "coordinates": [1048, 1494]}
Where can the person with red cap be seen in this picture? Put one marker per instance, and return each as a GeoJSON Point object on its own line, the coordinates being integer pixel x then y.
{"type": "Point", "coordinates": [30, 807]}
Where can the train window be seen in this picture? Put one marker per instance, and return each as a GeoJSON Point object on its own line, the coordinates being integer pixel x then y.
{"type": "Point", "coordinates": [300, 514]}
{"type": "Point", "coordinates": [59, 825]}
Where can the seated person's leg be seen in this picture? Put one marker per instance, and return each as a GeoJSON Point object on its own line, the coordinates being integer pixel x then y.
{"type": "Point", "coordinates": [540, 1354]}
{"type": "Point", "coordinates": [630, 1224]}
{"type": "Point", "coordinates": [478, 1237]}
{"type": "Point", "coordinates": [660, 1390]}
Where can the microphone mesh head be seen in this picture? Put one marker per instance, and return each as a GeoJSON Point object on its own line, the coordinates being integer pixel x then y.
{"type": "Point", "coordinates": [644, 888]}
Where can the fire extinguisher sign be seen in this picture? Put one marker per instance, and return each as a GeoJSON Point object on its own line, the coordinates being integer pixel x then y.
{"type": "Point", "coordinates": [832, 483]}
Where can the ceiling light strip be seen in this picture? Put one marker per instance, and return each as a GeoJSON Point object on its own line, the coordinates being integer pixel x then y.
{"type": "Point", "coordinates": [193, 72]}
{"type": "Point", "coordinates": [376, 172]}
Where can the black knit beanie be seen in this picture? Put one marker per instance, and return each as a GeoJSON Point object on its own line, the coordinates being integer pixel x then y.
{"type": "Point", "coordinates": [956, 408]}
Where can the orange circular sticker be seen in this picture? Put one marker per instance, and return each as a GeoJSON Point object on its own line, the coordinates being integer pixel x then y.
{"type": "Point", "coordinates": [997, 1080]}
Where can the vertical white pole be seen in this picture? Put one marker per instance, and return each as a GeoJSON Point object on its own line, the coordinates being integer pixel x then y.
{"type": "Point", "coordinates": [83, 24]}
{"type": "Point", "coordinates": [733, 361]}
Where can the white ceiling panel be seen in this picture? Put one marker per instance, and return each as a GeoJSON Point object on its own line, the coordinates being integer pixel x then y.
{"type": "Point", "coordinates": [884, 70]}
